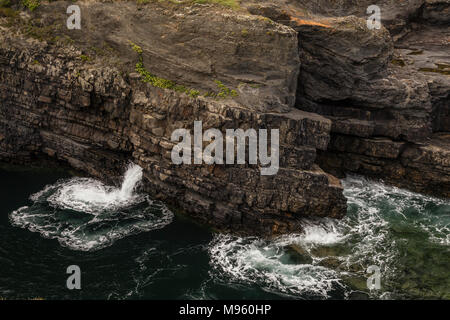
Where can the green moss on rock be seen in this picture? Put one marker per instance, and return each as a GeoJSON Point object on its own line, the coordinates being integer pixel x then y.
{"type": "Point", "coordinates": [31, 4]}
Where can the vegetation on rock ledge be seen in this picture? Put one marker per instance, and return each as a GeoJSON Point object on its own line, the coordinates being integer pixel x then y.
{"type": "Point", "coordinates": [148, 77]}
{"type": "Point", "coordinates": [31, 4]}
{"type": "Point", "coordinates": [156, 81]}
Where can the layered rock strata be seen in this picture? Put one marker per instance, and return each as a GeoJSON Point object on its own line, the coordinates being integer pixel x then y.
{"type": "Point", "coordinates": [345, 98]}
{"type": "Point", "coordinates": [386, 91]}
{"type": "Point", "coordinates": [96, 120]}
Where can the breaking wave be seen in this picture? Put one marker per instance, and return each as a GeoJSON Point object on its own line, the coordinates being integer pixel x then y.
{"type": "Point", "coordinates": [385, 226]}
{"type": "Point", "coordinates": [85, 214]}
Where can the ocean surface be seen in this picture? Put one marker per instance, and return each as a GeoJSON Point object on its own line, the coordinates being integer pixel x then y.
{"type": "Point", "coordinates": [129, 246]}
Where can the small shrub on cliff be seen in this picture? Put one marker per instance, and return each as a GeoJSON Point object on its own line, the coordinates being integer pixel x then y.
{"type": "Point", "coordinates": [152, 79]}
{"type": "Point", "coordinates": [85, 58]}
{"type": "Point", "coordinates": [156, 81]}
{"type": "Point", "coordinates": [148, 77]}
{"type": "Point", "coordinates": [163, 83]}
{"type": "Point", "coordinates": [136, 48]}
{"type": "Point", "coordinates": [31, 4]}
{"type": "Point", "coordinates": [194, 93]}
{"type": "Point", "coordinates": [224, 91]}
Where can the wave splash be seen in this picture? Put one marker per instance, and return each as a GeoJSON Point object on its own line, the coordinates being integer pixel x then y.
{"type": "Point", "coordinates": [85, 214]}
{"type": "Point", "coordinates": [270, 265]}
{"type": "Point", "coordinates": [385, 226]}
{"type": "Point", "coordinates": [92, 196]}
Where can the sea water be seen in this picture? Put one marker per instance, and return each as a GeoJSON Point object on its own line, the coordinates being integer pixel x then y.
{"type": "Point", "coordinates": [129, 246]}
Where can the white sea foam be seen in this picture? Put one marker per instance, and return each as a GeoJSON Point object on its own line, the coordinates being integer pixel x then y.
{"type": "Point", "coordinates": [256, 261]}
{"type": "Point", "coordinates": [364, 237]}
{"type": "Point", "coordinates": [85, 214]}
{"type": "Point", "coordinates": [92, 196]}
{"type": "Point", "coordinates": [428, 214]}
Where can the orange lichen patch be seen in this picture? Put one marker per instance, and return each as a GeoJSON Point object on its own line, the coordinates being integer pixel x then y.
{"type": "Point", "coordinates": [309, 22]}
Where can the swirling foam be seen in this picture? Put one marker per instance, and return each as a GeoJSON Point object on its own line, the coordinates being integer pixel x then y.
{"type": "Point", "coordinates": [85, 214]}
{"type": "Point", "coordinates": [338, 252]}
{"type": "Point", "coordinates": [426, 214]}
{"type": "Point", "coordinates": [261, 262]}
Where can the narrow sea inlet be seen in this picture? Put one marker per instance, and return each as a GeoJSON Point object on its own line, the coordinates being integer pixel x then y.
{"type": "Point", "coordinates": [129, 246]}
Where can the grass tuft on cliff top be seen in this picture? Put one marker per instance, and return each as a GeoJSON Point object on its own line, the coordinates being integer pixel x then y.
{"type": "Point", "coordinates": [31, 4]}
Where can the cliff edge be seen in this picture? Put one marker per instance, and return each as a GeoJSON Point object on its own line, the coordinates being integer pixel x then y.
{"type": "Point", "coordinates": [344, 98]}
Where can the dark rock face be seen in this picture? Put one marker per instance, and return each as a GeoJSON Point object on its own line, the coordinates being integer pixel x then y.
{"type": "Point", "coordinates": [194, 46]}
{"type": "Point", "coordinates": [387, 93]}
{"type": "Point", "coordinates": [345, 99]}
{"type": "Point", "coordinates": [95, 119]}
{"type": "Point", "coordinates": [435, 12]}
{"type": "Point", "coordinates": [421, 167]}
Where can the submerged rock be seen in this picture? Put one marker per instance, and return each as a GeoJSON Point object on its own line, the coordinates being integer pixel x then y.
{"type": "Point", "coordinates": [330, 262]}
{"type": "Point", "coordinates": [297, 255]}
{"type": "Point", "coordinates": [330, 251]}
{"type": "Point", "coordinates": [357, 283]}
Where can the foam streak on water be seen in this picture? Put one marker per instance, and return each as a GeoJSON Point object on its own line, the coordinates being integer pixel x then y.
{"type": "Point", "coordinates": [85, 214]}
{"type": "Point", "coordinates": [404, 233]}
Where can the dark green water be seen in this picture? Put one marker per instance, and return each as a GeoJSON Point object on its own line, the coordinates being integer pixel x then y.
{"type": "Point", "coordinates": [129, 247]}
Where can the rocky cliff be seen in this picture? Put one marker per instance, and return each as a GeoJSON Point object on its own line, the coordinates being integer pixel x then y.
{"type": "Point", "coordinates": [386, 91]}
{"type": "Point", "coordinates": [345, 98]}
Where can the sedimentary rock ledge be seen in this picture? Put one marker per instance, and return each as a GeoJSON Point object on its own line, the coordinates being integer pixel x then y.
{"type": "Point", "coordinates": [96, 118]}
{"type": "Point", "coordinates": [344, 98]}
